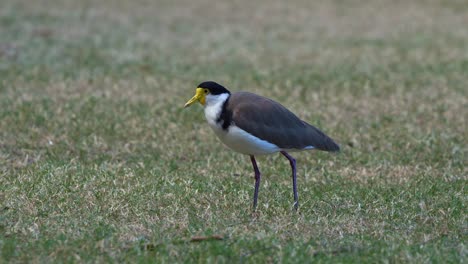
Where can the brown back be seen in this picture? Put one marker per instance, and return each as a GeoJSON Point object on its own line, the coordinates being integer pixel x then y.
{"type": "Point", "coordinates": [270, 121]}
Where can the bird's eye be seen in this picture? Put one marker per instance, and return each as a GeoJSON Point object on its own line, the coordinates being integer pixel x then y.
{"type": "Point", "coordinates": [206, 91]}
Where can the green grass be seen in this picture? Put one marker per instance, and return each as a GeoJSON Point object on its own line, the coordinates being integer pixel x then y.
{"type": "Point", "coordinates": [99, 162]}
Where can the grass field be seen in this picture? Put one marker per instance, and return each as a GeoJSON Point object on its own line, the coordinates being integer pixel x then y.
{"type": "Point", "coordinates": [99, 162]}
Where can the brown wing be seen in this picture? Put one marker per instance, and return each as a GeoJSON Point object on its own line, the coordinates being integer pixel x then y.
{"type": "Point", "coordinates": [270, 121]}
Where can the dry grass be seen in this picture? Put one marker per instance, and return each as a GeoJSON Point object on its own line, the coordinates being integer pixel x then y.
{"type": "Point", "coordinates": [100, 163]}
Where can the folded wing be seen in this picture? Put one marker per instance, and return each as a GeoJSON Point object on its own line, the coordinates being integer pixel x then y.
{"type": "Point", "coordinates": [270, 121]}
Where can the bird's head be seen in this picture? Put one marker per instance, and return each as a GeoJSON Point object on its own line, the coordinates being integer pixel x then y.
{"type": "Point", "coordinates": [207, 92]}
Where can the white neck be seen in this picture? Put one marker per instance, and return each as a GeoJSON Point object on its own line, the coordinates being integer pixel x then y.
{"type": "Point", "coordinates": [214, 106]}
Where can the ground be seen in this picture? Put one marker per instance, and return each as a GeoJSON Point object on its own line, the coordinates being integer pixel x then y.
{"type": "Point", "coordinates": [100, 162]}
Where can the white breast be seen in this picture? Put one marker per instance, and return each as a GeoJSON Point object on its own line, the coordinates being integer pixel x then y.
{"type": "Point", "coordinates": [234, 137]}
{"type": "Point", "coordinates": [243, 142]}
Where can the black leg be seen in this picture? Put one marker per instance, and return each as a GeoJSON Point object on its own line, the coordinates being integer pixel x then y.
{"type": "Point", "coordinates": [257, 181]}
{"type": "Point", "coordinates": [292, 162]}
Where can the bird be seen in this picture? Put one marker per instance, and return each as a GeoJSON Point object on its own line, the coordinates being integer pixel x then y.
{"type": "Point", "coordinates": [255, 125]}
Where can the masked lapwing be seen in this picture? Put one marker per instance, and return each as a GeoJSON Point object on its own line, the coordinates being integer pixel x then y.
{"type": "Point", "coordinates": [254, 125]}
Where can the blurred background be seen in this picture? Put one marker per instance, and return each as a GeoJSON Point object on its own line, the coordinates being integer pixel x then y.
{"type": "Point", "coordinates": [98, 158]}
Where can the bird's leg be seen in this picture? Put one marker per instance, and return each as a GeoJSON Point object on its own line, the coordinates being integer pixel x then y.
{"type": "Point", "coordinates": [257, 181]}
{"type": "Point", "coordinates": [292, 162]}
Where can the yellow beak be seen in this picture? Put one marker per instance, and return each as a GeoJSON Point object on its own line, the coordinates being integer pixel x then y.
{"type": "Point", "coordinates": [199, 96]}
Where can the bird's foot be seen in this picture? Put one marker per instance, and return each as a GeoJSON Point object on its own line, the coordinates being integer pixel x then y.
{"type": "Point", "coordinates": [255, 215]}
{"type": "Point", "coordinates": [296, 206]}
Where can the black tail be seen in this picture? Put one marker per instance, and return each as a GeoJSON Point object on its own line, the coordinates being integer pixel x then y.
{"type": "Point", "coordinates": [332, 146]}
{"type": "Point", "coordinates": [320, 141]}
